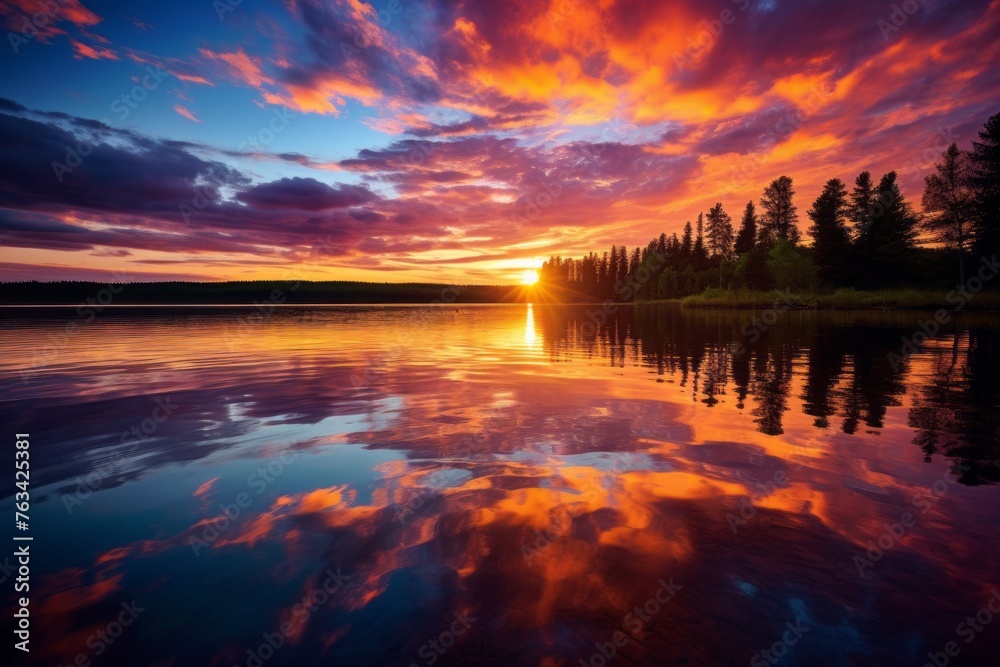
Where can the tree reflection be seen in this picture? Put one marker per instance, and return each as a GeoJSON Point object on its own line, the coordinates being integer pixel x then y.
{"type": "Point", "coordinates": [839, 365]}
{"type": "Point", "coordinates": [957, 410]}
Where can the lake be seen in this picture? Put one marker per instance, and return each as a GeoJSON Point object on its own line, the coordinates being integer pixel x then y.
{"type": "Point", "coordinates": [506, 485]}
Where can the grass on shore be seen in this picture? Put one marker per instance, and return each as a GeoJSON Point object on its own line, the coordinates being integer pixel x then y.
{"type": "Point", "coordinates": [845, 299]}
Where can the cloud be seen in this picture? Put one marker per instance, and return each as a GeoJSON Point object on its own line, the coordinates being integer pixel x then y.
{"type": "Point", "coordinates": [41, 18]}
{"type": "Point", "coordinates": [306, 194]}
{"type": "Point", "coordinates": [240, 66]}
{"type": "Point", "coordinates": [134, 193]}
{"type": "Point", "coordinates": [44, 20]}
{"type": "Point", "coordinates": [94, 53]}
{"type": "Point", "coordinates": [177, 67]}
{"type": "Point", "coordinates": [182, 110]}
{"type": "Point", "coordinates": [514, 129]}
{"type": "Point", "coordinates": [111, 252]}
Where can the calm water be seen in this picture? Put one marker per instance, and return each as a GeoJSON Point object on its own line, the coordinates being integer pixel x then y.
{"type": "Point", "coordinates": [500, 486]}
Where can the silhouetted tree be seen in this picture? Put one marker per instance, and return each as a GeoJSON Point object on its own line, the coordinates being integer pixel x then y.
{"type": "Point", "coordinates": [604, 277]}
{"type": "Point", "coordinates": [863, 200]}
{"type": "Point", "coordinates": [985, 182]}
{"type": "Point", "coordinates": [772, 378]}
{"type": "Point", "coordinates": [699, 256]}
{"type": "Point", "coordinates": [613, 270]}
{"type": "Point", "coordinates": [687, 241]}
{"type": "Point", "coordinates": [623, 272]}
{"type": "Point", "coordinates": [779, 212]}
{"type": "Point", "coordinates": [826, 364]}
{"type": "Point", "coordinates": [880, 249]}
{"type": "Point", "coordinates": [949, 204]}
{"type": "Point", "coordinates": [956, 410]}
{"type": "Point", "coordinates": [887, 248]}
{"type": "Point", "coordinates": [747, 238]}
{"type": "Point", "coordinates": [831, 238]}
{"type": "Point", "coordinates": [720, 232]}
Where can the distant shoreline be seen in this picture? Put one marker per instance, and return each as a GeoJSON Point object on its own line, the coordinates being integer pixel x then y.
{"type": "Point", "coordinates": [255, 293]}
{"type": "Point", "coordinates": [333, 294]}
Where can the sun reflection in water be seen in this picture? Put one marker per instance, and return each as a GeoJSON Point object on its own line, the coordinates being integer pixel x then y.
{"type": "Point", "coordinates": [529, 329]}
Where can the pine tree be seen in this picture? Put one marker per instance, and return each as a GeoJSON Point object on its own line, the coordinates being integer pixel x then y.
{"type": "Point", "coordinates": [747, 238]}
{"type": "Point", "coordinates": [661, 252]}
{"type": "Point", "coordinates": [862, 206]}
{"type": "Point", "coordinates": [623, 273]}
{"type": "Point", "coordinates": [985, 182]}
{"type": "Point", "coordinates": [720, 232]}
{"type": "Point", "coordinates": [889, 241]}
{"type": "Point", "coordinates": [949, 204]}
{"type": "Point", "coordinates": [687, 243]}
{"type": "Point", "coordinates": [634, 262]}
{"type": "Point", "coordinates": [604, 277]}
{"type": "Point", "coordinates": [613, 267]}
{"type": "Point", "coordinates": [780, 213]}
{"type": "Point", "coordinates": [699, 255]}
{"type": "Point", "coordinates": [831, 237]}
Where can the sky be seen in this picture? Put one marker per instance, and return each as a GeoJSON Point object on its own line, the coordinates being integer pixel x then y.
{"type": "Point", "coordinates": [448, 140]}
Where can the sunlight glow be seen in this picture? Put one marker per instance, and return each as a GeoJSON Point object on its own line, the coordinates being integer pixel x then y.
{"type": "Point", "coordinates": [530, 338]}
{"type": "Point", "coordinates": [529, 277]}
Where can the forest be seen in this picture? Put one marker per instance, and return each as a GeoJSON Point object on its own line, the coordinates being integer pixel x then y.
{"type": "Point", "coordinates": [866, 238]}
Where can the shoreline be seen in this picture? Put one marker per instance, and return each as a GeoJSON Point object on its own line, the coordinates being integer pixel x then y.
{"type": "Point", "coordinates": [847, 300]}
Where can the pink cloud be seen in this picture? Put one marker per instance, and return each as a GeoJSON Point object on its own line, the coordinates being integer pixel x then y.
{"type": "Point", "coordinates": [182, 110]}
{"type": "Point", "coordinates": [98, 53]}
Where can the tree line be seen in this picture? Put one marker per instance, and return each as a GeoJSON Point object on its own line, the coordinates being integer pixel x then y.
{"type": "Point", "coordinates": [868, 237]}
{"type": "Point", "coordinates": [257, 293]}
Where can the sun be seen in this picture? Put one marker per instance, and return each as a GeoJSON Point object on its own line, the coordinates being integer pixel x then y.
{"type": "Point", "coordinates": [529, 277]}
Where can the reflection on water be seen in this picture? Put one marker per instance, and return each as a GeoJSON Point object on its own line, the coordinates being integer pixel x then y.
{"type": "Point", "coordinates": [507, 485]}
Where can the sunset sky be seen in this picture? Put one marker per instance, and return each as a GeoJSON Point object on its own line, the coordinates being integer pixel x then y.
{"type": "Point", "coordinates": [450, 141]}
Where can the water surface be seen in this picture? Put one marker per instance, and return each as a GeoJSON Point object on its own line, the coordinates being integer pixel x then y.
{"type": "Point", "coordinates": [506, 485]}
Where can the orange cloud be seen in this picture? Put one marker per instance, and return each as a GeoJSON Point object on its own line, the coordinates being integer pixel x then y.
{"type": "Point", "coordinates": [241, 66]}
{"type": "Point", "coordinates": [324, 96]}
